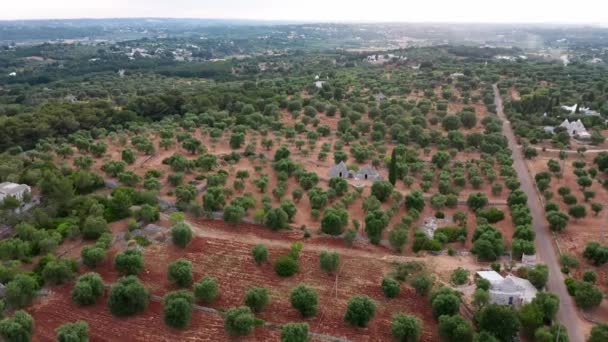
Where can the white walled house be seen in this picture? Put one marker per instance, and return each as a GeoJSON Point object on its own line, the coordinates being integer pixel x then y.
{"type": "Point", "coordinates": [510, 290]}
{"type": "Point", "coordinates": [13, 189]}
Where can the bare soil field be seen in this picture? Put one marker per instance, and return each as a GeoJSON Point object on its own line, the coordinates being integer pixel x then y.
{"type": "Point", "coordinates": [57, 308]}
{"type": "Point", "coordinates": [231, 263]}
{"type": "Point", "coordinates": [579, 231]}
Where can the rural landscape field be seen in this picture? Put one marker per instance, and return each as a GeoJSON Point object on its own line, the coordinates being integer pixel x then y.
{"type": "Point", "coordinates": [218, 180]}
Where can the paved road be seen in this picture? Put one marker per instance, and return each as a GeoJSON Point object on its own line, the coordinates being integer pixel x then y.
{"type": "Point", "coordinates": [568, 313]}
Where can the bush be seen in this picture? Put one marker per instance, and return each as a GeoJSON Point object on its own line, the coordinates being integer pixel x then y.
{"type": "Point", "coordinates": [398, 238]}
{"type": "Point", "coordinates": [406, 328]}
{"type": "Point", "coordinates": [590, 277]}
{"type": "Point", "coordinates": [459, 276]}
{"type": "Point", "coordinates": [73, 332]}
{"type": "Point", "coordinates": [599, 333]}
{"type": "Point", "coordinates": [596, 253]}
{"type": "Point", "coordinates": [92, 256]}
{"type": "Point", "coordinates": [390, 287]}
{"type": "Point", "coordinates": [58, 271]}
{"type": "Point", "coordinates": [181, 234]}
{"type": "Point", "coordinates": [178, 308]}
{"type": "Point", "coordinates": [445, 301]}
{"type": "Point", "coordinates": [88, 288]}
{"type": "Point", "coordinates": [360, 310]}
{"type": "Point", "coordinates": [455, 329]}
{"type": "Point", "coordinates": [93, 227]}
{"type": "Point", "coordinates": [498, 320]}
{"type": "Point", "coordinates": [538, 275]}
{"type": "Point", "coordinates": [239, 321]}
{"type": "Point", "coordinates": [294, 332]}
{"type": "Point", "coordinates": [492, 215]}
{"type": "Point", "coordinates": [587, 295]}
{"type": "Point", "coordinates": [260, 254]}
{"type": "Point", "coordinates": [18, 328]}
{"type": "Point", "coordinates": [21, 290]}
{"type": "Point", "coordinates": [128, 296]}
{"type": "Point", "coordinates": [129, 262]}
{"type": "Point", "coordinates": [257, 298]}
{"type": "Point", "coordinates": [286, 266]}
{"type": "Point", "coordinates": [422, 284]}
{"type": "Point", "coordinates": [305, 300]}
{"type": "Point", "coordinates": [382, 190]}
{"type": "Point", "coordinates": [329, 261]}
{"type": "Point", "coordinates": [180, 272]}
{"type": "Point", "coordinates": [206, 290]}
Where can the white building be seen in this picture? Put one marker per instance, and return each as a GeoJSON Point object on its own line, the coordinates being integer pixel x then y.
{"type": "Point", "coordinates": [583, 110]}
{"type": "Point", "coordinates": [13, 189]}
{"type": "Point", "coordinates": [319, 84]}
{"type": "Point", "coordinates": [576, 129]}
{"type": "Point", "coordinates": [510, 290]}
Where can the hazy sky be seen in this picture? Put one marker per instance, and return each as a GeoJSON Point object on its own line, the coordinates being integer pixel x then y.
{"type": "Point", "coordinates": [566, 11]}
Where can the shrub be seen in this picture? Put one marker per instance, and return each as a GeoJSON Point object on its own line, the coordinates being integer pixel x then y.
{"type": "Point", "coordinates": [206, 290]}
{"type": "Point", "coordinates": [257, 298]}
{"type": "Point", "coordinates": [294, 332]}
{"type": "Point", "coordinates": [599, 333]}
{"type": "Point", "coordinates": [390, 287]}
{"type": "Point", "coordinates": [177, 310]}
{"type": "Point", "coordinates": [21, 290]}
{"type": "Point", "coordinates": [382, 190]}
{"type": "Point", "coordinates": [360, 310]}
{"type": "Point", "coordinates": [398, 238]}
{"type": "Point", "coordinates": [93, 227]}
{"type": "Point", "coordinates": [455, 329]}
{"type": "Point", "coordinates": [498, 320]}
{"type": "Point", "coordinates": [180, 272]}
{"type": "Point", "coordinates": [58, 271]}
{"type": "Point", "coordinates": [73, 332]}
{"type": "Point", "coordinates": [181, 234]}
{"type": "Point", "coordinates": [538, 275]}
{"type": "Point", "coordinates": [260, 254]}
{"type": "Point", "coordinates": [596, 253]}
{"type": "Point", "coordinates": [239, 321]}
{"type": "Point", "coordinates": [587, 295]}
{"type": "Point", "coordinates": [286, 266]}
{"type": "Point", "coordinates": [492, 215]}
{"type": "Point", "coordinates": [88, 288]}
{"type": "Point", "coordinates": [590, 277]}
{"type": "Point", "coordinates": [18, 328]}
{"type": "Point", "coordinates": [445, 301]}
{"type": "Point", "coordinates": [305, 300]}
{"type": "Point", "coordinates": [129, 262]}
{"type": "Point", "coordinates": [406, 328]}
{"type": "Point", "coordinates": [422, 284]}
{"type": "Point", "coordinates": [459, 276]}
{"type": "Point", "coordinates": [329, 261]}
{"type": "Point", "coordinates": [92, 256]}
{"type": "Point", "coordinates": [128, 296]}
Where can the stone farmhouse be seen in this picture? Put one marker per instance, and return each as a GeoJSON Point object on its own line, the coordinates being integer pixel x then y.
{"type": "Point", "coordinates": [576, 129]}
{"type": "Point", "coordinates": [510, 290]}
{"type": "Point", "coordinates": [365, 173]}
{"type": "Point", "coordinates": [13, 189]}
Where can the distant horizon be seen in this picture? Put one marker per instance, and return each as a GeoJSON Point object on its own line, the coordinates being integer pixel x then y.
{"type": "Point", "coordinates": [586, 12]}
{"type": "Point", "coordinates": [314, 21]}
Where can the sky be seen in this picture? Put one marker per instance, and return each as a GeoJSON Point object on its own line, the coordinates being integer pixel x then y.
{"type": "Point", "coordinates": [503, 11]}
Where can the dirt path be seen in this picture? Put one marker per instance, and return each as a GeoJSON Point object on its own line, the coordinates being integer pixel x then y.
{"type": "Point", "coordinates": [570, 151]}
{"type": "Point", "coordinates": [568, 313]}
